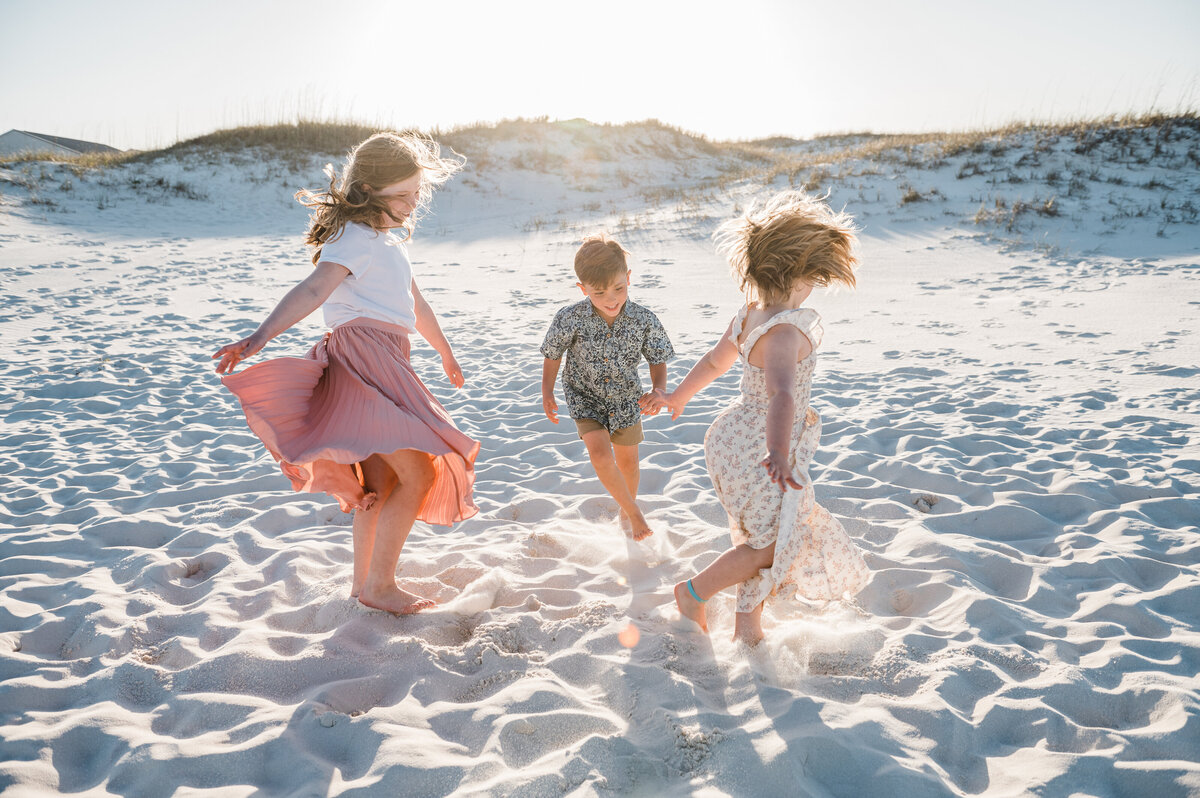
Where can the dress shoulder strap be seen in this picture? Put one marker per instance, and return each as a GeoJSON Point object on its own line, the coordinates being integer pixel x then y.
{"type": "Point", "coordinates": [806, 320]}
{"type": "Point", "coordinates": [736, 332]}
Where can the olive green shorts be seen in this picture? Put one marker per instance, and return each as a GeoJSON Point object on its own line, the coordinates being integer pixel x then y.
{"type": "Point", "coordinates": [626, 436]}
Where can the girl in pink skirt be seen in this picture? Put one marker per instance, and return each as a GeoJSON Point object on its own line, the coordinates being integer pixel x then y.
{"type": "Point", "coordinates": [351, 418]}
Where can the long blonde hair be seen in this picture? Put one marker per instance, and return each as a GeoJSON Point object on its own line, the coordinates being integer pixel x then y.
{"type": "Point", "coordinates": [382, 160]}
{"type": "Point", "coordinates": [790, 237]}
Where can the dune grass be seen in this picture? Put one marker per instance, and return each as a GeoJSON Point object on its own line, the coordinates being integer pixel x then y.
{"type": "Point", "coordinates": [300, 138]}
{"type": "Point", "coordinates": [87, 160]}
{"type": "Point", "coordinates": [761, 158]}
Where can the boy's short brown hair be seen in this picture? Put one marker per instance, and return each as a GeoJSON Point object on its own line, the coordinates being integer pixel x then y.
{"type": "Point", "coordinates": [600, 261]}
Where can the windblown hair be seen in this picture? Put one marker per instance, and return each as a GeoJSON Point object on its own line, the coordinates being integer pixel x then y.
{"type": "Point", "coordinates": [381, 161]}
{"type": "Point", "coordinates": [789, 238]}
{"type": "Point", "coordinates": [600, 261]}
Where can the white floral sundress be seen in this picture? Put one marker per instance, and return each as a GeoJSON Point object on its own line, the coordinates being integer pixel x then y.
{"type": "Point", "coordinates": [814, 557]}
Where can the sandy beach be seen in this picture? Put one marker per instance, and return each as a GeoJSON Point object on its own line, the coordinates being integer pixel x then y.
{"type": "Point", "coordinates": [1010, 404]}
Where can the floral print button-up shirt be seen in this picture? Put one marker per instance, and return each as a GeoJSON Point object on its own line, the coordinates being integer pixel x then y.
{"type": "Point", "coordinates": [601, 379]}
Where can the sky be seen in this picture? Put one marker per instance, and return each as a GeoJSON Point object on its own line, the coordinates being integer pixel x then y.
{"type": "Point", "coordinates": [139, 74]}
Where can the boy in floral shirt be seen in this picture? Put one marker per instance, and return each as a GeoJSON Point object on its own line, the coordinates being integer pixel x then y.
{"type": "Point", "coordinates": [605, 338]}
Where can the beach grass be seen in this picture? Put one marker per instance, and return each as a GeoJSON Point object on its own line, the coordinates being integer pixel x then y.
{"type": "Point", "coordinates": [601, 141]}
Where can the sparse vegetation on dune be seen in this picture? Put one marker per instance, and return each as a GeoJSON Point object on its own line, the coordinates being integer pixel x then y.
{"type": "Point", "coordinates": [595, 140]}
{"type": "Point", "coordinates": [298, 139]}
{"type": "Point", "coordinates": [603, 142]}
{"type": "Point", "coordinates": [791, 157]}
{"type": "Point", "coordinates": [1131, 169]}
{"type": "Point", "coordinates": [90, 160]}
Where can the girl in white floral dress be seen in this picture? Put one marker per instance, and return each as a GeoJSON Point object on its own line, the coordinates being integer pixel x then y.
{"type": "Point", "coordinates": [784, 542]}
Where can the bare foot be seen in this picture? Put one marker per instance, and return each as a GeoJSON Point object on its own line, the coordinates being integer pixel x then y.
{"type": "Point", "coordinates": [395, 600]}
{"type": "Point", "coordinates": [750, 637]}
{"type": "Point", "coordinates": [637, 528]}
{"type": "Point", "coordinates": [642, 531]}
{"type": "Point", "coordinates": [690, 608]}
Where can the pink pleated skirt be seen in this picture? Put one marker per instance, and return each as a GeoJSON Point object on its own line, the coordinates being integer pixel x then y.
{"type": "Point", "coordinates": [353, 395]}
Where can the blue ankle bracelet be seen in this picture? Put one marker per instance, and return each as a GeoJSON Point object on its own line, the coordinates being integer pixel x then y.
{"type": "Point", "coordinates": [695, 595]}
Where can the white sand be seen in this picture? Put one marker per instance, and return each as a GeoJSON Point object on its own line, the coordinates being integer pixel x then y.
{"type": "Point", "coordinates": [1010, 435]}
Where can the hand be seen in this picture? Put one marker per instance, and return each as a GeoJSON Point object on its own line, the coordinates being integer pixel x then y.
{"type": "Point", "coordinates": [651, 403]}
{"type": "Point", "coordinates": [232, 354]}
{"type": "Point", "coordinates": [550, 407]}
{"type": "Point", "coordinates": [675, 405]}
{"type": "Point", "coordinates": [453, 372]}
{"type": "Point", "coordinates": [780, 472]}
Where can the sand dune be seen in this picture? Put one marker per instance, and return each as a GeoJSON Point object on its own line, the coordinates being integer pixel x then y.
{"type": "Point", "coordinates": [1009, 433]}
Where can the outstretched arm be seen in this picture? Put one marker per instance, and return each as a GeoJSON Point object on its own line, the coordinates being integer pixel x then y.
{"type": "Point", "coordinates": [431, 331]}
{"type": "Point", "coordinates": [295, 305]}
{"type": "Point", "coordinates": [715, 363]}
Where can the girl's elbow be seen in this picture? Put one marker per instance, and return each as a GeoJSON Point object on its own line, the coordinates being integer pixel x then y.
{"type": "Point", "coordinates": [714, 364]}
{"type": "Point", "coordinates": [315, 296]}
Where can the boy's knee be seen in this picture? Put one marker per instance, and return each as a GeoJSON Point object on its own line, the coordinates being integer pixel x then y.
{"type": "Point", "coordinates": [598, 445]}
{"type": "Point", "coordinates": [626, 455]}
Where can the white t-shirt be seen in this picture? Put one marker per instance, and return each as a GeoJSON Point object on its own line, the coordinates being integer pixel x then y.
{"type": "Point", "coordinates": [379, 285]}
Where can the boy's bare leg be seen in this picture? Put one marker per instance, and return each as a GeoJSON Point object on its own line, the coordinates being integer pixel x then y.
{"type": "Point", "coordinates": [630, 468]}
{"type": "Point", "coordinates": [381, 479]}
{"type": "Point", "coordinates": [600, 452]}
{"type": "Point", "coordinates": [415, 474]}
{"type": "Point", "coordinates": [731, 568]}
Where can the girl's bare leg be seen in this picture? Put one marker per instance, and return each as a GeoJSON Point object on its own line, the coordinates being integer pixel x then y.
{"type": "Point", "coordinates": [731, 568]}
{"type": "Point", "coordinates": [382, 479]}
{"type": "Point", "coordinates": [689, 607]}
{"type": "Point", "coordinates": [414, 472]}
{"type": "Point", "coordinates": [747, 626]}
